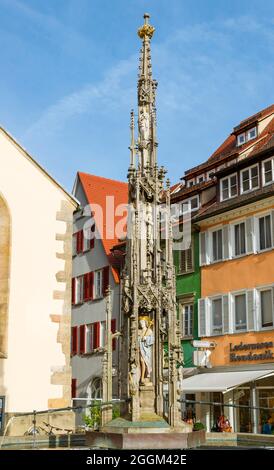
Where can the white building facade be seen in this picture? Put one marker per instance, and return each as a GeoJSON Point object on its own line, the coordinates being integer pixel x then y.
{"type": "Point", "coordinates": [36, 216]}
{"type": "Point", "coordinates": [93, 271]}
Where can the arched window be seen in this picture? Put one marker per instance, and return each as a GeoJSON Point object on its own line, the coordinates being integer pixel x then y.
{"type": "Point", "coordinates": [4, 275]}
{"type": "Point", "coordinates": [95, 389]}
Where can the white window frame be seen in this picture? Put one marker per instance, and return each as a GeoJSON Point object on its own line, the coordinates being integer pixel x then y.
{"type": "Point", "coordinates": [246, 136]}
{"type": "Point", "coordinates": [190, 319]}
{"type": "Point", "coordinates": [79, 290]}
{"type": "Point", "coordinates": [233, 295]}
{"type": "Point", "coordinates": [102, 342]}
{"type": "Point", "coordinates": [86, 239]}
{"type": "Point", "coordinates": [188, 203]}
{"type": "Point", "coordinates": [259, 310]}
{"type": "Point", "coordinates": [249, 131]}
{"type": "Point", "coordinates": [229, 187]}
{"type": "Point", "coordinates": [89, 344]}
{"type": "Point", "coordinates": [272, 168]}
{"type": "Point", "coordinates": [98, 295]}
{"type": "Point", "coordinates": [257, 232]}
{"type": "Point", "coordinates": [249, 179]}
{"type": "Point", "coordinates": [211, 300]}
{"type": "Point", "coordinates": [233, 238]}
{"type": "Point", "coordinates": [216, 229]}
{"type": "Point", "coordinates": [191, 183]}
{"type": "Point", "coordinates": [239, 137]}
{"type": "Point", "coordinates": [199, 177]}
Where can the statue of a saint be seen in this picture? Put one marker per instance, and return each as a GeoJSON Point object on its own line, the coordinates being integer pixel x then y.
{"type": "Point", "coordinates": [146, 340]}
{"type": "Point", "coordinates": [144, 125]}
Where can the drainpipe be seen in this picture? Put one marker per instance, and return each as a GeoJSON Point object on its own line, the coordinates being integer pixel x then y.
{"type": "Point", "coordinates": [254, 412]}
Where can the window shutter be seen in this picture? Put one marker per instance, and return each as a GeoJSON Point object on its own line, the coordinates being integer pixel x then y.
{"type": "Point", "coordinates": [73, 291]}
{"type": "Point", "coordinates": [86, 286]}
{"type": "Point", "coordinates": [250, 310]}
{"type": "Point", "coordinates": [272, 227]}
{"type": "Point", "coordinates": [203, 248]}
{"type": "Point", "coordinates": [96, 335]}
{"type": "Point", "coordinates": [91, 282]}
{"type": "Point", "coordinates": [73, 388]}
{"type": "Point", "coordinates": [202, 317]}
{"type": "Point", "coordinates": [113, 329]}
{"type": "Point", "coordinates": [225, 314]}
{"type": "Point", "coordinates": [74, 336]}
{"type": "Point", "coordinates": [189, 259]}
{"type": "Point", "coordinates": [226, 232]}
{"type": "Point", "coordinates": [105, 279]}
{"type": "Point", "coordinates": [80, 241]}
{"type": "Point", "coordinates": [249, 227]}
{"type": "Point", "coordinates": [82, 339]}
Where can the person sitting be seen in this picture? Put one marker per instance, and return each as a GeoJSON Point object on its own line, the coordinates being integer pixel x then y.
{"type": "Point", "coordinates": [267, 427]}
{"type": "Point", "coordinates": [224, 424]}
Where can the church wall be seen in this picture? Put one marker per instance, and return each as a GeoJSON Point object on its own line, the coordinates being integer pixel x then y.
{"type": "Point", "coordinates": [36, 374]}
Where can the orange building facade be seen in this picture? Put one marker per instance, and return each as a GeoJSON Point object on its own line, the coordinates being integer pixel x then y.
{"type": "Point", "coordinates": [236, 309]}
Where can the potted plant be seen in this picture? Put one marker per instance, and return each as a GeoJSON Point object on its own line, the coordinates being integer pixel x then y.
{"type": "Point", "coordinates": [198, 426]}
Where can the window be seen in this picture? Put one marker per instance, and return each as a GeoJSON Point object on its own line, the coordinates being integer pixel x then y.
{"type": "Point", "coordinates": [239, 237]}
{"type": "Point", "coordinates": [98, 287]}
{"type": "Point", "coordinates": [250, 179]}
{"type": "Point", "coordinates": [186, 259]}
{"type": "Point", "coordinates": [79, 289]}
{"type": "Point", "coordinates": [252, 133]}
{"type": "Point", "coordinates": [190, 205]}
{"type": "Point", "coordinates": [266, 304]}
{"type": "Point", "coordinates": [265, 239]}
{"type": "Point", "coordinates": [240, 312]}
{"type": "Point", "coordinates": [190, 183]}
{"type": "Point", "coordinates": [241, 139]}
{"type": "Point", "coordinates": [229, 187]}
{"type": "Point", "coordinates": [217, 316]}
{"type": "Point", "coordinates": [86, 241]}
{"type": "Point", "coordinates": [74, 244]}
{"type": "Point", "coordinates": [246, 136]}
{"type": "Point", "coordinates": [268, 171]}
{"type": "Point", "coordinates": [97, 388]}
{"type": "Point", "coordinates": [187, 320]}
{"type": "Point", "coordinates": [89, 338]}
{"type": "Point", "coordinates": [200, 179]}
{"type": "Point", "coordinates": [217, 245]}
{"type": "Point", "coordinates": [102, 334]}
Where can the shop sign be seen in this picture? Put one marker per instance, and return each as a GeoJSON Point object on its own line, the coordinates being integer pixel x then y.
{"type": "Point", "coordinates": [251, 354]}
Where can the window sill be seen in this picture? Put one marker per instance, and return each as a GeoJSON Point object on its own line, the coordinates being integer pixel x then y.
{"type": "Point", "coordinates": [185, 273]}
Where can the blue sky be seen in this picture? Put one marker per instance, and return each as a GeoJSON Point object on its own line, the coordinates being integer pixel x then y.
{"type": "Point", "coordinates": [69, 70]}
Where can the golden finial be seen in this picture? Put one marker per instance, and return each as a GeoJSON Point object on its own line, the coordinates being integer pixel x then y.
{"type": "Point", "coordinates": [146, 31]}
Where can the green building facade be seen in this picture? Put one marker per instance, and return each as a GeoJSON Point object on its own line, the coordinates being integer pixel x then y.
{"type": "Point", "coordinates": [188, 291]}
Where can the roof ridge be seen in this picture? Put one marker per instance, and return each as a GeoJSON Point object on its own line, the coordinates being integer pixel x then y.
{"type": "Point", "coordinates": [101, 177]}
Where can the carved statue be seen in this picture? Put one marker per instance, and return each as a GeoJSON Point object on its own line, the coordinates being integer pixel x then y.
{"type": "Point", "coordinates": [127, 299]}
{"type": "Point", "coordinates": [146, 340]}
{"type": "Point", "coordinates": [133, 379]}
{"type": "Point", "coordinates": [144, 125]}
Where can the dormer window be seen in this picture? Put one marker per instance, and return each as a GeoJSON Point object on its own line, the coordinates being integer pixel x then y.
{"type": "Point", "coordinates": [229, 187]}
{"type": "Point", "coordinates": [246, 136]}
{"type": "Point", "coordinates": [190, 205]}
{"type": "Point", "coordinates": [252, 133]}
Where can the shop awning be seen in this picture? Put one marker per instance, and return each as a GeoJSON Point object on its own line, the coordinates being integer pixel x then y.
{"type": "Point", "coordinates": [222, 381]}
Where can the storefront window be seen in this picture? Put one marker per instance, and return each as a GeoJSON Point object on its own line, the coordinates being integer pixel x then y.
{"type": "Point", "coordinates": [242, 397]}
{"type": "Point", "coordinates": [189, 415]}
{"type": "Point", "coordinates": [216, 410]}
{"type": "Point", "coordinates": [266, 416]}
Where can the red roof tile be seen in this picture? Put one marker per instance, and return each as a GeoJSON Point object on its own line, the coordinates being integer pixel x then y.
{"type": "Point", "coordinates": [97, 189]}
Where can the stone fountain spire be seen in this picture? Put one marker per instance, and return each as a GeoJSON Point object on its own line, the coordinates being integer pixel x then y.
{"type": "Point", "coordinates": [148, 282]}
